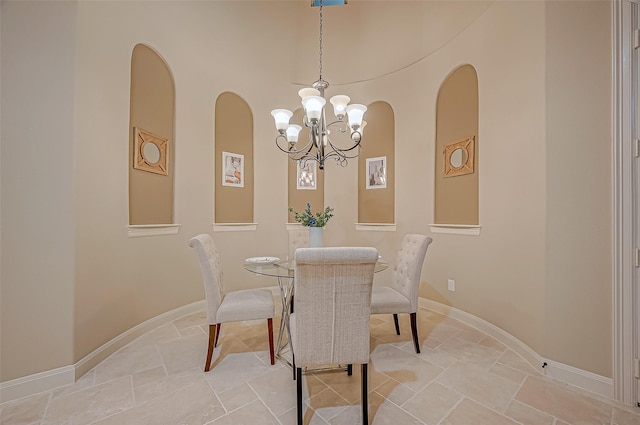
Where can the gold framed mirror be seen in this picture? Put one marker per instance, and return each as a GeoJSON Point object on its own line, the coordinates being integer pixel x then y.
{"type": "Point", "coordinates": [151, 152]}
{"type": "Point", "coordinates": [459, 158]}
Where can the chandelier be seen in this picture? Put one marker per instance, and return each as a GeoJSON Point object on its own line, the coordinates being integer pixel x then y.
{"type": "Point", "coordinates": [320, 146]}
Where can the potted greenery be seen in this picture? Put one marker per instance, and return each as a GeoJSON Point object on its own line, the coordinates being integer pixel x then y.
{"type": "Point", "coordinates": [315, 222]}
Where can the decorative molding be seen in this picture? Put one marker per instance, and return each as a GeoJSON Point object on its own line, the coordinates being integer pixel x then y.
{"type": "Point", "coordinates": [38, 382]}
{"type": "Point", "coordinates": [456, 229]}
{"type": "Point", "coordinates": [139, 230]}
{"type": "Point", "coordinates": [376, 227]}
{"type": "Point", "coordinates": [583, 379]}
{"type": "Point", "coordinates": [48, 380]}
{"type": "Point", "coordinates": [234, 227]}
{"type": "Point", "coordinates": [464, 164]}
{"type": "Point", "coordinates": [151, 152]}
{"type": "Point", "coordinates": [624, 389]}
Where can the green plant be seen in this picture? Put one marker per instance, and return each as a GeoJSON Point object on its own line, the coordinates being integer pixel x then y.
{"type": "Point", "coordinates": [307, 218]}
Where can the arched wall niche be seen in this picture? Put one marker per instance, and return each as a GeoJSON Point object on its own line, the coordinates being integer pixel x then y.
{"type": "Point", "coordinates": [376, 166]}
{"type": "Point", "coordinates": [301, 188]}
{"type": "Point", "coordinates": [151, 139]}
{"type": "Point", "coordinates": [457, 165]}
{"type": "Point", "coordinates": [233, 160]}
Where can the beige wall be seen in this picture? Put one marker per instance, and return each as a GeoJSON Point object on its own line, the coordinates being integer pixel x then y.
{"type": "Point", "coordinates": [105, 283]}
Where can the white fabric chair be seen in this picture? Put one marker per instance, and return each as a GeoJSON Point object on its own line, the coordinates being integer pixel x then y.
{"type": "Point", "coordinates": [402, 295]}
{"type": "Point", "coordinates": [333, 307]}
{"type": "Point", "coordinates": [247, 304]}
{"type": "Point", "coordinates": [298, 238]}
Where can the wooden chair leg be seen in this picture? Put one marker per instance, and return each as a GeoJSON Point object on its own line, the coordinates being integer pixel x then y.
{"type": "Point", "coordinates": [299, 394]}
{"type": "Point", "coordinates": [365, 396]}
{"type": "Point", "coordinates": [271, 354]}
{"type": "Point", "coordinates": [349, 369]}
{"type": "Point", "coordinates": [395, 322]}
{"type": "Point", "coordinates": [212, 338]}
{"type": "Point", "coordinates": [215, 343]}
{"type": "Point", "coordinates": [414, 331]}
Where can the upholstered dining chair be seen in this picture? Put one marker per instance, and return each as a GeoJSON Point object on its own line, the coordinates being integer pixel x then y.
{"type": "Point", "coordinates": [298, 238]}
{"type": "Point", "coordinates": [235, 306]}
{"type": "Point", "coordinates": [330, 325]}
{"type": "Point", "coordinates": [402, 295]}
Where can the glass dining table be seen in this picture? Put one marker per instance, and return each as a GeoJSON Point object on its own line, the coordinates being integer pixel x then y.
{"type": "Point", "coordinates": [284, 272]}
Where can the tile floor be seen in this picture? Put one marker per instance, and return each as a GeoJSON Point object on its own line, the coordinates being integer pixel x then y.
{"type": "Point", "coordinates": [462, 377]}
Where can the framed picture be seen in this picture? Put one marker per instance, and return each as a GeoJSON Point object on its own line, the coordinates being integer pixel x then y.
{"type": "Point", "coordinates": [306, 176]}
{"type": "Point", "coordinates": [377, 172]}
{"type": "Point", "coordinates": [151, 152]}
{"type": "Point", "coordinates": [232, 169]}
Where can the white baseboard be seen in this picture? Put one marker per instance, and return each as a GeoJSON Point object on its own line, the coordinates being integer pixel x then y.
{"type": "Point", "coordinates": [48, 380]}
{"type": "Point", "coordinates": [583, 379]}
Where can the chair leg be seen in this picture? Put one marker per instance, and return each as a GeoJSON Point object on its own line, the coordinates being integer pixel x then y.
{"type": "Point", "coordinates": [293, 365]}
{"type": "Point", "coordinates": [395, 321]}
{"type": "Point", "coordinates": [271, 354]}
{"type": "Point", "coordinates": [299, 394]}
{"type": "Point", "coordinates": [349, 369]}
{"type": "Point", "coordinates": [215, 343]}
{"type": "Point", "coordinates": [414, 331]}
{"type": "Point", "coordinates": [365, 396]}
{"type": "Point", "coordinates": [212, 338]}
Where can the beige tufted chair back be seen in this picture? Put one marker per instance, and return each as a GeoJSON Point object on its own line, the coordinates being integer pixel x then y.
{"type": "Point", "coordinates": [211, 273]}
{"type": "Point", "coordinates": [298, 238]}
{"type": "Point", "coordinates": [408, 268]}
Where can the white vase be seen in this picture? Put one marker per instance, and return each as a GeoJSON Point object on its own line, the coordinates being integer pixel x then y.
{"type": "Point", "coordinates": [315, 237]}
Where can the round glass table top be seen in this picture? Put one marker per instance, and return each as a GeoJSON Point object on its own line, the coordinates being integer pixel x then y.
{"type": "Point", "coordinates": [281, 268]}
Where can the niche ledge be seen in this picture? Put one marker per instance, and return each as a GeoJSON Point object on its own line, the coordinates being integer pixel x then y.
{"type": "Point", "coordinates": [376, 227]}
{"type": "Point", "coordinates": [456, 229]}
{"type": "Point", "coordinates": [139, 230]}
{"type": "Point", "coordinates": [234, 227]}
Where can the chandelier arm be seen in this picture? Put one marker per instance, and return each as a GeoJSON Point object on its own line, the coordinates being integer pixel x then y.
{"type": "Point", "coordinates": [356, 145]}
{"type": "Point", "coordinates": [291, 149]}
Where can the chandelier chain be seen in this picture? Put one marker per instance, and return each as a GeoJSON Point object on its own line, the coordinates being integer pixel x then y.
{"type": "Point", "coordinates": [320, 40]}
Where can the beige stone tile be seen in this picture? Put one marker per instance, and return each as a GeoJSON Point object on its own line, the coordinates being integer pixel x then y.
{"type": "Point", "coordinates": [490, 342]}
{"type": "Point", "coordinates": [468, 412]}
{"type": "Point", "coordinates": [480, 385]}
{"type": "Point", "coordinates": [563, 403]}
{"type": "Point", "coordinates": [167, 385]}
{"type": "Point", "coordinates": [130, 359]}
{"type": "Point", "coordinates": [625, 417]}
{"type": "Point", "coordinates": [184, 353]}
{"type": "Point", "coordinates": [509, 373]}
{"type": "Point", "coordinates": [163, 333]}
{"type": "Point", "coordinates": [326, 404]}
{"type": "Point", "coordinates": [251, 414]}
{"type": "Point", "coordinates": [309, 417]}
{"type": "Point", "coordinates": [432, 403]}
{"type": "Point", "coordinates": [469, 352]}
{"type": "Point", "coordinates": [404, 367]}
{"type": "Point", "coordinates": [235, 369]}
{"type": "Point", "coordinates": [387, 413]}
{"type": "Point", "coordinates": [24, 411]}
{"type": "Point", "coordinates": [395, 392]}
{"type": "Point", "coordinates": [276, 389]}
{"type": "Point", "coordinates": [148, 376]}
{"type": "Point", "coordinates": [527, 415]}
{"type": "Point", "coordinates": [236, 397]}
{"type": "Point", "coordinates": [89, 405]}
{"type": "Point", "coordinates": [195, 319]}
{"type": "Point", "coordinates": [194, 404]}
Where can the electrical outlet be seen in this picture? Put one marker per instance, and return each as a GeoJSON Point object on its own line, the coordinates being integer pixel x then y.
{"type": "Point", "coordinates": [451, 285]}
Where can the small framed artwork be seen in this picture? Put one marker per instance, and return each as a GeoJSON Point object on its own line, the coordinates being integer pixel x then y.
{"type": "Point", "coordinates": [151, 152]}
{"type": "Point", "coordinates": [306, 176]}
{"type": "Point", "coordinates": [377, 172]}
{"type": "Point", "coordinates": [232, 169]}
{"type": "Point", "coordinates": [459, 158]}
